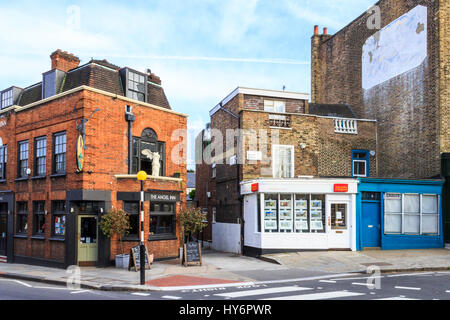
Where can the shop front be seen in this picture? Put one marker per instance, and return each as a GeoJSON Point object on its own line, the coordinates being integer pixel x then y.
{"type": "Point", "coordinates": [6, 226]}
{"type": "Point", "coordinates": [299, 214]}
{"type": "Point", "coordinates": [399, 214]}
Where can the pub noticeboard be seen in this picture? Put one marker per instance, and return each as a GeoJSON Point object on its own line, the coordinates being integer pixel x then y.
{"type": "Point", "coordinates": [192, 254]}
{"type": "Point", "coordinates": [135, 259]}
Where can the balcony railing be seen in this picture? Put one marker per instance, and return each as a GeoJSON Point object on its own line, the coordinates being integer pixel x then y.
{"type": "Point", "coordinates": [279, 121]}
{"type": "Point", "coordinates": [346, 126]}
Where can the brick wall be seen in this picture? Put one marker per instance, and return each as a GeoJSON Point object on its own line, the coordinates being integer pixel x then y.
{"type": "Point", "coordinates": [410, 108]}
{"type": "Point", "coordinates": [444, 87]}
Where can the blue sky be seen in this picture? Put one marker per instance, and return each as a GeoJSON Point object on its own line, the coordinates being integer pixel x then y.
{"type": "Point", "coordinates": [201, 49]}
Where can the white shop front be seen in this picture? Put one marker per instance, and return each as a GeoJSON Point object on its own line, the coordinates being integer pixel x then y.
{"type": "Point", "coordinates": [283, 215]}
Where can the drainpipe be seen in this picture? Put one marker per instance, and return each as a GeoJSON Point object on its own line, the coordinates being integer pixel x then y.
{"type": "Point", "coordinates": [130, 118]}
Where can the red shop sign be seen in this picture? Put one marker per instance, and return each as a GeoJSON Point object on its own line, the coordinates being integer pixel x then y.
{"type": "Point", "coordinates": [255, 187]}
{"type": "Point", "coordinates": [341, 188]}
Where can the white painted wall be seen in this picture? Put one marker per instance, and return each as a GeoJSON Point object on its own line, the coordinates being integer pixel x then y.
{"type": "Point", "coordinates": [226, 237]}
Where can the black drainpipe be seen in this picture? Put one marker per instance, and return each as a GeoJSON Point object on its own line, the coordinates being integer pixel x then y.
{"type": "Point", "coordinates": [130, 118]}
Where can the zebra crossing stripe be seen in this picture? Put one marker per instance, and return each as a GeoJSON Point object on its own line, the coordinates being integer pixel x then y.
{"type": "Point", "coordinates": [247, 293]}
{"type": "Point", "coordinates": [320, 296]}
{"type": "Point", "coordinates": [171, 297]}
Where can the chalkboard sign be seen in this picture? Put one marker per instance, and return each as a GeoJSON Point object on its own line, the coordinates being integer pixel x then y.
{"type": "Point", "coordinates": [192, 254]}
{"type": "Point", "coordinates": [135, 259]}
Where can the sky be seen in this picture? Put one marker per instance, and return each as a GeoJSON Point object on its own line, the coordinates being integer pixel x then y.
{"type": "Point", "coordinates": [201, 49]}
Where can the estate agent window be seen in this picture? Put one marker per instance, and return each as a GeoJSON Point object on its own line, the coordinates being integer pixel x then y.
{"type": "Point", "coordinates": [59, 153]}
{"type": "Point", "coordinates": [132, 209]}
{"type": "Point", "coordinates": [283, 161]}
{"type": "Point", "coordinates": [411, 214]}
{"type": "Point", "coordinates": [38, 217]}
{"type": "Point", "coordinates": [22, 218]}
{"type": "Point", "coordinates": [162, 219]}
{"type": "Point", "coordinates": [22, 164]}
{"type": "Point", "coordinates": [289, 213]}
{"type": "Point", "coordinates": [147, 149]}
{"type": "Point", "coordinates": [59, 218]}
{"type": "Point", "coordinates": [360, 161]}
{"type": "Point", "coordinates": [3, 158]}
{"type": "Point", "coordinates": [40, 156]}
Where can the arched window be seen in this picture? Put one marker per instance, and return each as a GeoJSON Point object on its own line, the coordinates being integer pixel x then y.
{"type": "Point", "coordinates": [142, 147]}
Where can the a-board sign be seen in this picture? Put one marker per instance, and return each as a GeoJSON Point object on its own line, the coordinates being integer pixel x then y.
{"type": "Point", "coordinates": [192, 254]}
{"type": "Point", "coordinates": [135, 259]}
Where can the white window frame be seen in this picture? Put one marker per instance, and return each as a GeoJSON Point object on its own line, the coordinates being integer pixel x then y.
{"type": "Point", "coordinates": [275, 154]}
{"type": "Point", "coordinates": [213, 173]}
{"type": "Point", "coordinates": [276, 106]}
{"type": "Point", "coordinates": [353, 168]}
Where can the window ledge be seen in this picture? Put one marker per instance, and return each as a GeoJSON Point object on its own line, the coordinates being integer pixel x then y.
{"type": "Point", "coordinates": [21, 179]}
{"type": "Point", "coordinates": [58, 175]}
{"type": "Point", "coordinates": [38, 177]}
{"type": "Point", "coordinates": [2, 180]}
{"type": "Point", "coordinates": [162, 238]}
{"type": "Point", "coordinates": [36, 237]}
{"type": "Point", "coordinates": [134, 176]}
{"type": "Point", "coordinates": [21, 236]}
{"type": "Point", "coordinates": [57, 239]}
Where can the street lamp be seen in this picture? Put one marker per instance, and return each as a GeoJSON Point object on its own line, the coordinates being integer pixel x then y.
{"type": "Point", "coordinates": [142, 176]}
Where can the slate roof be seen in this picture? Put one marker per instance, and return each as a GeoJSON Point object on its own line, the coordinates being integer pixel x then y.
{"type": "Point", "coordinates": [331, 110]}
{"type": "Point", "coordinates": [98, 74]}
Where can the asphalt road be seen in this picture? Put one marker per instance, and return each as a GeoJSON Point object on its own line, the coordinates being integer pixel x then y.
{"type": "Point", "coordinates": [414, 286]}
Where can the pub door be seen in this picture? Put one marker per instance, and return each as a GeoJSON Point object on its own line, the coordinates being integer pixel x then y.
{"type": "Point", "coordinates": [3, 227]}
{"type": "Point", "coordinates": [87, 240]}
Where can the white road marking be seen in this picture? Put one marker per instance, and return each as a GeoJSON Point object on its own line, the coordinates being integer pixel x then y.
{"type": "Point", "coordinates": [328, 281]}
{"type": "Point", "coordinates": [407, 288]}
{"type": "Point", "coordinates": [171, 297]}
{"type": "Point", "coordinates": [448, 291]}
{"type": "Point", "coordinates": [141, 294]}
{"type": "Point", "coordinates": [24, 284]}
{"type": "Point", "coordinates": [396, 298]}
{"type": "Point", "coordinates": [247, 293]}
{"type": "Point", "coordinates": [410, 274]}
{"type": "Point", "coordinates": [53, 288]}
{"type": "Point", "coordinates": [80, 291]}
{"type": "Point", "coordinates": [363, 284]}
{"type": "Point", "coordinates": [320, 296]}
{"type": "Point", "coordinates": [357, 278]}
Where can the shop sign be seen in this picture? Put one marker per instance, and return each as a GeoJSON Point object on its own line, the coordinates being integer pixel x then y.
{"type": "Point", "coordinates": [167, 197]}
{"type": "Point", "coordinates": [341, 188]}
{"type": "Point", "coordinates": [255, 187]}
{"type": "Point", "coordinates": [393, 196]}
{"type": "Point", "coordinates": [80, 153]}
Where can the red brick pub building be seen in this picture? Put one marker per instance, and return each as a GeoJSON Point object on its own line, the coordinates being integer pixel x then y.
{"type": "Point", "coordinates": [70, 149]}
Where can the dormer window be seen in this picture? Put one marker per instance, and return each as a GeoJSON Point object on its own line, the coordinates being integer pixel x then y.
{"type": "Point", "coordinates": [7, 98]}
{"type": "Point", "coordinates": [136, 85]}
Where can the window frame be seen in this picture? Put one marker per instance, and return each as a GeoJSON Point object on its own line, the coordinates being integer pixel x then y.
{"type": "Point", "coordinates": [3, 161]}
{"type": "Point", "coordinates": [38, 213]}
{"type": "Point", "coordinates": [137, 155]}
{"type": "Point", "coordinates": [21, 170]}
{"type": "Point", "coordinates": [365, 160]}
{"type": "Point", "coordinates": [135, 214]}
{"type": "Point", "coordinates": [58, 213]}
{"type": "Point", "coordinates": [21, 213]}
{"type": "Point", "coordinates": [8, 101]}
{"type": "Point", "coordinates": [132, 90]}
{"type": "Point", "coordinates": [276, 155]}
{"type": "Point", "coordinates": [55, 155]}
{"type": "Point", "coordinates": [157, 214]}
{"type": "Point", "coordinates": [37, 158]}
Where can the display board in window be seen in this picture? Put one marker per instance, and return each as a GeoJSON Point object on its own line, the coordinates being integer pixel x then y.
{"type": "Point", "coordinates": [286, 213]}
{"type": "Point", "coordinates": [301, 215]}
{"type": "Point", "coordinates": [317, 215]}
{"type": "Point", "coordinates": [270, 213]}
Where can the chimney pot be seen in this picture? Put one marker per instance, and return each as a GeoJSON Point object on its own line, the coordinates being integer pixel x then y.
{"type": "Point", "coordinates": [325, 31]}
{"type": "Point", "coordinates": [316, 30]}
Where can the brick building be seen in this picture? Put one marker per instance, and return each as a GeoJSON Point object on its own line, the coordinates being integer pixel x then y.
{"type": "Point", "coordinates": [277, 141]}
{"type": "Point", "coordinates": [71, 146]}
{"type": "Point", "coordinates": [396, 72]}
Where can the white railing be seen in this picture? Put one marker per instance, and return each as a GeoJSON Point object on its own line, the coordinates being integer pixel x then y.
{"type": "Point", "coordinates": [346, 126]}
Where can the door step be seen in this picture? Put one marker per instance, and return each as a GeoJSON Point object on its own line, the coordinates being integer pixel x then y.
{"type": "Point", "coordinates": [3, 259]}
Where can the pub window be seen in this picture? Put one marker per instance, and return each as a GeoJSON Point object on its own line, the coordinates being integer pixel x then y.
{"type": "Point", "coordinates": [38, 217]}
{"type": "Point", "coordinates": [147, 149]}
{"type": "Point", "coordinates": [132, 209]}
{"type": "Point", "coordinates": [59, 153]}
{"type": "Point", "coordinates": [3, 160]}
{"type": "Point", "coordinates": [59, 218]}
{"type": "Point", "coordinates": [40, 156]}
{"type": "Point", "coordinates": [162, 219]}
{"type": "Point", "coordinates": [22, 218]}
{"type": "Point", "coordinates": [22, 164]}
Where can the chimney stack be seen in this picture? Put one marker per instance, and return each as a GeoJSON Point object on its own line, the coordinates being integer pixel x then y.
{"type": "Point", "coordinates": [325, 31]}
{"type": "Point", "coordinates": [316, 30]}
{"type": "Point", "coordinates": [64, 61]}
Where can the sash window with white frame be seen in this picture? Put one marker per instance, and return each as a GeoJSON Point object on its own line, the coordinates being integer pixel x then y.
{"type": "Point", "coordinates": [3, 160]}
{"type": "Point", "coordinates": [360, 163]}
{"type": "Point", "coordinates": [411, 214]}
{"type": "Point", "coordinates": [283, 161]}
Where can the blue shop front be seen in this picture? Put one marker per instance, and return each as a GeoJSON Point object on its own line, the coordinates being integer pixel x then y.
{"type": "Point", "coordinates": [399, 214]}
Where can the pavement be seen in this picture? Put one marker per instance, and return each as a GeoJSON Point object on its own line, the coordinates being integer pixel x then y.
{"type": "Point", "coordinates": [231, 270]}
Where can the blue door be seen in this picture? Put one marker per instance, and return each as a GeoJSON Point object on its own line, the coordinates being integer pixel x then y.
{"type": "Point", "coordinates": [371, 225]}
